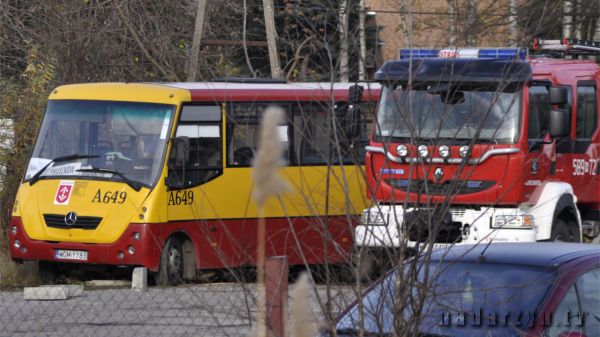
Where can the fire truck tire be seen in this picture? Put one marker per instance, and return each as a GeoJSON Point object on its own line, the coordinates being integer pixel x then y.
{"type": "Point", "coordinates": [563, 232]}
{"type": "Point", "coordinates": [170, 271]}
{"type": "Point", "coordinates": [48, 272]}
{"type": "Point", "coordinates": [365, 265]}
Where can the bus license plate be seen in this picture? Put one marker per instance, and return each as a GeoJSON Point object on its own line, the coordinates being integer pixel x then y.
{"type": "Point", "coordinates": [77, 255]}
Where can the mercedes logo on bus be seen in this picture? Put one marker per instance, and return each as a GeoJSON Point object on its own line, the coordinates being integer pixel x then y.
{"type": "Point", "coordinates": [70, 218]}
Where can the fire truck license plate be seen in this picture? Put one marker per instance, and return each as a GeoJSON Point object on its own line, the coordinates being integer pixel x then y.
{"type": "Point", "coordinates": [78, 255]}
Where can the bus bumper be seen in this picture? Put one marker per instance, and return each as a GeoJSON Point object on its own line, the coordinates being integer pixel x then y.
{"type": "Point", "coordinates": [136, 247]}
{"type": "Point", "coordinates": [392, 226]}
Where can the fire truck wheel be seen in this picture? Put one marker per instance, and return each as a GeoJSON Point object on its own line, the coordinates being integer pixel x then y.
{"type": "Point", "coordinates": [365, 264]}
{"type": "Point", "coordinates": [171, 263]}
{"type": "Point", "coordinates": [562, 232]}
{"type": "Point", "coordinates": [48, 272]}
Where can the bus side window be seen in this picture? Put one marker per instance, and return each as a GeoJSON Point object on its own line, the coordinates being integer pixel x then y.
{"type": "Point", "coordinates": [587, 107]}
{"type": "Point", "coordinates": [539, 111]}
{"type": "Point", "coordinates": [243, 132]}
{"type": "Point", "coordinates": [200, 130]}
{"type": "Point", "coordinates": [311, 133]}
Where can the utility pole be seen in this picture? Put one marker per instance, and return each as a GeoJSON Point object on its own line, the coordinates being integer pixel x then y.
{"type": "Point", "coordinates": [197, 40]}
{"type": "Point", "coordinates": [362, 37]}
{"type": "Point", "coordinates": [513, 28]}
{"type": "Point", "coordinates": [269, 11]}
{"type": "Point", "coordinates": [343, 18]}
{"type": "Point", "coordinates": [452, 23]}
{"type": "Point", "coordinates": [567, 19]}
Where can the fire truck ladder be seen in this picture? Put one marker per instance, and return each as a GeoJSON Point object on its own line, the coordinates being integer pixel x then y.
{"type": "Point", "coordinates": [567, 46]}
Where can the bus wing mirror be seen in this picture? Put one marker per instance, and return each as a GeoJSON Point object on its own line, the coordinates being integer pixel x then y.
{"type": "Point", "coordinates": [560, 123]}
{"type": "Point", "coordinates": [180, 152]}
{"type": "Point", "coordinates": [558, 95]}
{"type": "Point", "coordinates": [355, 93]}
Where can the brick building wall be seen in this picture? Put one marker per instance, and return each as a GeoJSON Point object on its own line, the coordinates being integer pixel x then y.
{"type": "Point", "coordinates": [430, 24]}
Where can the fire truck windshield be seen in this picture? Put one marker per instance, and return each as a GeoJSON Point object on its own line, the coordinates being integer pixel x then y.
{"type": "Point", "coordinates": [121, 141]}
{"type": "Point", "coordinates": [439, 111]}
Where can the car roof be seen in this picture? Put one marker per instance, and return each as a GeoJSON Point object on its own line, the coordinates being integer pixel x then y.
{"type": "Point", "coordinates": [539, 254]}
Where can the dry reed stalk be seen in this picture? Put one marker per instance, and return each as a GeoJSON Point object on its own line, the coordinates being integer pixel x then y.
{"type": "Point", "coordinates": [267, 183]}
{"type": "Point", "coordinates": [303, 322]}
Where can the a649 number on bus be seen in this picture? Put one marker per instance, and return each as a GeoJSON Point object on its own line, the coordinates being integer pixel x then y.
{"type": "Point", "coordinates": [110, 197]}
{"type": "Point", "coordinates": [181, 198]}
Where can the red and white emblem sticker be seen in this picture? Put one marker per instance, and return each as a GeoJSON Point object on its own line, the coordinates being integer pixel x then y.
{"type": "Point", "coordinates": [63, 193]}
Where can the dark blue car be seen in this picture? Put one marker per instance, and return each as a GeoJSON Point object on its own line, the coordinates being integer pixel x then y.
{"type": "Point", "coordinates": [504, 289]}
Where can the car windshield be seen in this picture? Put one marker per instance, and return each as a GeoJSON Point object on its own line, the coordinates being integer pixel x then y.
{"type": "Point", "coordinates": [462, 299]}
{"type": "Point", "coordinates": [442, 111]}
{"type": "Point", "coordinates": [125, 138]}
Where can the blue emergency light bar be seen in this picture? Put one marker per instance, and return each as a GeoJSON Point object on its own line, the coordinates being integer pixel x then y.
{"type": "Point", "coordinates": [465, 53]}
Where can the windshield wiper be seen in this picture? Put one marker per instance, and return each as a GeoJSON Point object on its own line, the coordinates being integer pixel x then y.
{"type": "Point", "coordinates": [70, 157]}
{"type": "Point", "coordinates": [133, 184]}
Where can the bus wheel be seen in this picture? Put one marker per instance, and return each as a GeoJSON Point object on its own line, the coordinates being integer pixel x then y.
{"type": "Point", "coordinates": [171, 263]}
{"type": "Point", "coordinates": [564, 233]}
{"type": "Point", "coordinates": [48, 272]}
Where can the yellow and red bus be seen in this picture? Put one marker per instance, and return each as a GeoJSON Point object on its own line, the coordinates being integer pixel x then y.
{"type": "Point", "coordinates": [159, 175]}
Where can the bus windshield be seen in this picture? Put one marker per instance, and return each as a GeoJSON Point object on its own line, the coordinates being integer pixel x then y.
{"type": "Point", "coordinates": [108, 140]}
{"type": "Point", "coordinates": [439, 111]}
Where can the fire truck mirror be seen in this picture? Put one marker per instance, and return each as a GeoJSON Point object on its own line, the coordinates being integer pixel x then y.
{"type": "Point", "coordinates": [560, 123]}
{"type": "Point", "coordinates": [558, 95]}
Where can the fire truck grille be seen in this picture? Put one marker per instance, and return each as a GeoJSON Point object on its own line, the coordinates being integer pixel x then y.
{"type": "Point", "coordinates": [418, 224]}
{"type": "Point", "coordinates": [451, 187]}
{"type": "Point", "coordinates": [82, 222]}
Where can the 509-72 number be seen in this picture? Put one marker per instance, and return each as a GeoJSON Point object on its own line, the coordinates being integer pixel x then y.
{"type": "Point", "coordinates": [181, 198]}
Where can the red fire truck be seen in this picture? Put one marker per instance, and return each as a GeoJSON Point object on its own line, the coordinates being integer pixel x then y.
{"type": "Point", "coordinates": [478, 145]}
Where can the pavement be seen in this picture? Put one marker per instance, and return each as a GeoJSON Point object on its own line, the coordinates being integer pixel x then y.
{"type": "Point", "coordinates": [218, 309]}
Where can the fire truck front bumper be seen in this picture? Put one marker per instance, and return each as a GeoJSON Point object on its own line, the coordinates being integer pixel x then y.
{"type": "Point", "coordinates": [392, 226]}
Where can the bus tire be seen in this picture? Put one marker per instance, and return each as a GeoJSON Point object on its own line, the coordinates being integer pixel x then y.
{"type": "Point", "coordinates": [48, 272]}
{"type": "Point", "coordinates": [564, 233]}
{"type": "Point", "coordinates": [170, 271]}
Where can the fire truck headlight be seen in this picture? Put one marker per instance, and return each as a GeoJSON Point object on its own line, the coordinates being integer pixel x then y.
{"type": "Point", "coordinates": [464, 151]}
{"type": "Point", "coordinates": [513, 221]}
{"type": "Point", "coordinates": [444, 151]}
{"type": "Point", "coordinates": [402, 150]}
{"type": "Point", "coordinates": [14, 230]}
{"type": "Point", "coordinates": [423, 151]}
{"type": "Point", "coordinates": [17, 244]}
{"type": "Point", "coordinates": [373, 216]}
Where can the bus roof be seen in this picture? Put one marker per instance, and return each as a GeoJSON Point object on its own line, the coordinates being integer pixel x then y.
{"type": "Point", "coordinates": [213, 91]}
{"type": "Point", "coordinates": [231, 91]}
